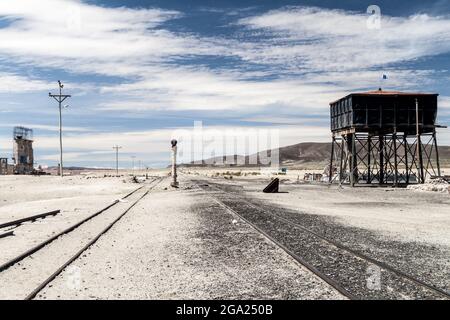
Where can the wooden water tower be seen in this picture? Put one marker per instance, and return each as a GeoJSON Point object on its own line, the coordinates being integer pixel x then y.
{"type": "Point", "coordinates": [384, 137]}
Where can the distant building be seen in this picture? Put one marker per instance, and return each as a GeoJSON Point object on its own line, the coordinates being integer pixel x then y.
{"type": "Point", "coordinates": [3, 166]}
{"type": "Point", "coordinates": [23, 150]}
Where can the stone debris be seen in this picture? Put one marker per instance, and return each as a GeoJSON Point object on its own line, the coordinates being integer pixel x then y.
{"type": "Point", "coordinates": [138, 179]}
{"type": "Point", "coordinates": [434, 185]}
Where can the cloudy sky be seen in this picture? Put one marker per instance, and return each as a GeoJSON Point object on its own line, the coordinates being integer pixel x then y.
{"type": "Point", "coordinates": [138, 70]}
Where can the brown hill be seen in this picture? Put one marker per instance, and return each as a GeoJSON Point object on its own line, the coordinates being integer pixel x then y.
{"type": "Point", "coordinates": [306, 155]}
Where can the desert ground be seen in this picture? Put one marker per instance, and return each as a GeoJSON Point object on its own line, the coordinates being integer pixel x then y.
{"type": "Point", "coordinates": [184, 243]}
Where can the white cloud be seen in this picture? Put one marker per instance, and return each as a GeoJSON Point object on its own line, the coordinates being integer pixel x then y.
{"type": "Point", "coordinates": [187, 89]}
{"type": "Point", "coordinates": [10, 82]}
{"type": "Point", "coordinates": [81, 30]}
{"type": "Point", "coordinates": [313, 55]}
{"type": "Point", "coordinates": [327, 40]}
{"type": "Point", "coordinates": [333, 50]}
{"type": "Point", "coordinates": [153, 145]}
{"type": "Point", "coordinates": [444, 107]}
{"type": "Point", "coordinates": [444, 102]}
{"type": "Point", "coordinates": [89, 38]}
{"type": "Point", "coordinates": [124, 42]}
{"type": "Point", "coordinates": [142, 142]}
{"type": "Point", "coordinates": [56, 128]}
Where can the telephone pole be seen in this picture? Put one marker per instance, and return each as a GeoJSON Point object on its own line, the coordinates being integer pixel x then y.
{"type": "Point", "coordinates": [60, 99]}
{"type": "Point", "coordinates": [132, 161]}
{"type": "Point", "coordinates": [117, 158]}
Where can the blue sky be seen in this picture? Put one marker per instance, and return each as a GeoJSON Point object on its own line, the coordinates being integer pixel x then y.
{"type": "Point", "coordinates": [138, 70]}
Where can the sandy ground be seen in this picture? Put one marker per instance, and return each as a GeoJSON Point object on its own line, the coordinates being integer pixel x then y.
{"type": "Point", "coordinates": [76, 197]}
{"type": "Point", "coordinates": [401, 214]}
{"type": "Point", "coordinates": [405, 215]}
{"type": "Point", "coordinates": [404, 228]}
{"type": "Point", "coordinates": [180, 244]}
{"type": "Point", "coordinates": [20, 279]}
{"type": "Point", "coordinates": [185, 249]}
{"type": "Point", "coordinates": [249, 174]}
{"type": "Point", "coordinates": [24, 195]}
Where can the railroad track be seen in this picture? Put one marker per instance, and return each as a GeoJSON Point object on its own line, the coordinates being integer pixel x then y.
{"type": "Point", "coordinates": [60, 241]}
{"type": "Point", "coordinates": [398, 284]}
{"type": "Point", "coordinates": [6, 234]}
{"type": "Point", "coordinates": [39, 246]}
{"type": "Point", "coordinates": [31, 218]}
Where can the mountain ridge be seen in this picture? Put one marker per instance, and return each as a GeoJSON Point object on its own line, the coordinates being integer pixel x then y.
{"type": "Point", "coordinates": [304, 155]}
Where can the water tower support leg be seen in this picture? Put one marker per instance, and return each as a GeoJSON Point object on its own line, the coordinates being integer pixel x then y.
{"type": "Point", "coordinates": [330, 174]}
{"type": "Point", "coordinates": [381, 142]}
{"type": "Point", "coordinates": [341, 164]}
{"type": "Point", "coordinates": [419, 150]}
{"type": "Point", "coordinates": [438, 165]}
{"type": "Point", "coordinates": [405, 145]}
{"type": "Point", "coordinates": [394, 137]}
{"type": "Point", "coordinates": [369, 150]}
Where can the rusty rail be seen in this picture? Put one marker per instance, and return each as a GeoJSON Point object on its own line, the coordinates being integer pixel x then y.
{"type": "Point", "coordinates": [31, 218]}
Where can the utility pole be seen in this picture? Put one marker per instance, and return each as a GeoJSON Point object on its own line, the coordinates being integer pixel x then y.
{"type": "Point", "coordinates": [117, 158]}
{"type": "Point", "coordinates": [132, 166]}
{"type": "Point", "coordinates": [60, 99]}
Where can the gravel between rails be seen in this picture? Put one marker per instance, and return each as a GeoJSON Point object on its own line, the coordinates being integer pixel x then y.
{"type": "Point", "coordinates": [350, 271]}
{"type": "Point", "coordinates": [278, 276]}
{"type": "Point", "coordinates": [428, 263]}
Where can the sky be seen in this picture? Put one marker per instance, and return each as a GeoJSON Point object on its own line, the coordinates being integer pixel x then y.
{"type": "Point", "coordinates": [140, 70]}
